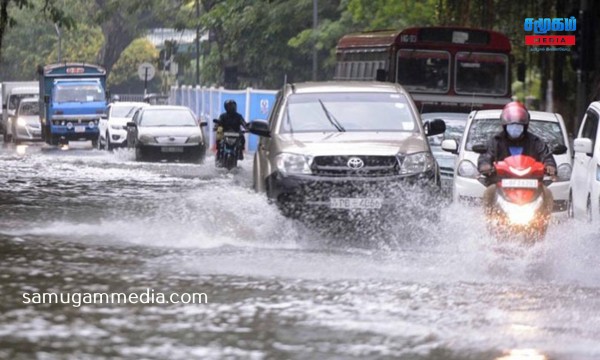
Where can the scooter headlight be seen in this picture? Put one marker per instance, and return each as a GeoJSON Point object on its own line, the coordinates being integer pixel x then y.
{"type": "Point", "coordinates": [520, 214]}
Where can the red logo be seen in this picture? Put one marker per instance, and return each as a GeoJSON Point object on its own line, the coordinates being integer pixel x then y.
{"type": "Point", "coordinates": [550, 40]}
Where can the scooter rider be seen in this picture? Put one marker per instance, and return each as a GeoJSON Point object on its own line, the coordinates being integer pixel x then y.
{"type": "Point", "coordinates": [232, 121]}
{"type": "Point", "coordinates": [514, 139]}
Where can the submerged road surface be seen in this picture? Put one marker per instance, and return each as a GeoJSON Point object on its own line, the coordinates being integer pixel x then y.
{"type": "Point", "coordinates": [78, 223]}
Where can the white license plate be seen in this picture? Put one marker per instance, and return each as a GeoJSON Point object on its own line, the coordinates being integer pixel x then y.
{"type": "Point", "coordinates": [355, 203]}
{"type": "Point", "coordinates": [171, 149]}
{"type": "Point", "coordinates": [520, 183]}
{"type": "Point", "coordinates": [79, 129]}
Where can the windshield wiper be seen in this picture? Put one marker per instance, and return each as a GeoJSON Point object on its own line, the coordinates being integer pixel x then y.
{"type": "Point", "coordinates": [331, 118]}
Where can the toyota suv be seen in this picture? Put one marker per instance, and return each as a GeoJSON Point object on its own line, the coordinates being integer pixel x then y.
{"type": "Point", "coordinates": [343, 146]}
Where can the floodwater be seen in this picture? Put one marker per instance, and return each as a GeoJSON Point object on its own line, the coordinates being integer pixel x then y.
{"type": "Point", "coordinates": [79, 220]}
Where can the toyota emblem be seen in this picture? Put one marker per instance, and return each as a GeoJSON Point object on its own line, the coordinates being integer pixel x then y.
{"type": "Point", "coordinates": [355, 163]}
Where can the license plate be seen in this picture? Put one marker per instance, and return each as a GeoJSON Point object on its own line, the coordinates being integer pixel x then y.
{"type": "Point", "coordinates": [520, 183]}
{"type": "Point", "coordinates": [79, 129]}
{"type": "Point", "coordinates": [355, 203]}
{"type": "Point", "coordinates": [171, 149]}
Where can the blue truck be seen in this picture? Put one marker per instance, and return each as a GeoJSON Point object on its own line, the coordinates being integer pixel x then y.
{"type": "Point", "coordinates": [74, 99]}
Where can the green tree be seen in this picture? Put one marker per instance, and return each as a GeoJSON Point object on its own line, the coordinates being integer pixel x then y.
{"type": "Point", "coordinates": [124, 77]}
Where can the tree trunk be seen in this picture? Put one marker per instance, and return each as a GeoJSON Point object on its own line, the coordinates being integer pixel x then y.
{"type": "Point", "coordinates": [3, 21]}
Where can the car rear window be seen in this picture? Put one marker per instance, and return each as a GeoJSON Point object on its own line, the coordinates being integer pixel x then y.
{"type": "Point", "coordinates": [482, 130]}
{"type": "Point", "coordinates": [333, 112]}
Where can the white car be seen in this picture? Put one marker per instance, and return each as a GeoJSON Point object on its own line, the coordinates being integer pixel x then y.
{"type": "Point", "coordinates": [113, 128]}
{"type": "Point", "coordinates": [481, 126]}
{"type": "Point", "coordinates": [585, 181]}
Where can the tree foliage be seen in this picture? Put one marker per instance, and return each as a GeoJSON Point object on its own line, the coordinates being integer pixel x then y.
{"type": "Point", "coordinates": [124, 77]}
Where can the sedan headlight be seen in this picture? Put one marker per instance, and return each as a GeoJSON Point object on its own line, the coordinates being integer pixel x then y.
{"type": "Point", "coordinates": [563, 172]}
{"type": "Point", "coordinates": [147, 139]}
{"type": "Point", "coordinates": [21, 122]}
{"type": "Point", "coordinates": [117, 127]}
{"type": "Point", "coordinates": [467, 169]}
{"type": "Point", "coordinates": [194, 139]}
{"type": "Point", "coordinates": [293, 164]}
{"type": "Point", "coordinates": [416, 163]}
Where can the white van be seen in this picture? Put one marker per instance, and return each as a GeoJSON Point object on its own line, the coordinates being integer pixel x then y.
{"type": "Point", "coordinates": [481, 126]}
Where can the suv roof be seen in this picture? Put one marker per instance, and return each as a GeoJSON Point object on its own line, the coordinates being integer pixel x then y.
{"type": "Point", "coordinates": [345, 86]}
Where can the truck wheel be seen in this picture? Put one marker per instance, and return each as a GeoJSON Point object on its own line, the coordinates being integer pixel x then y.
{"type": "Point", "coordinates": [54, 140]}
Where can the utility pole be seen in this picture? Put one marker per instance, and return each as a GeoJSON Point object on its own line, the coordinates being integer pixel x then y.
{"type": "Point", "coordinates": [315, 24]}
{"type": "Point", "coordinates": [59, 34]}
{"type": "Point", "coordinates": [581, 99]}
{"type": "Point", "coordinates": [197, 42]}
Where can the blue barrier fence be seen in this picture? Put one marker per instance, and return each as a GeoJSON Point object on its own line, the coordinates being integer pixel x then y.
{"type": "Point", "coordinates": [207, 103]}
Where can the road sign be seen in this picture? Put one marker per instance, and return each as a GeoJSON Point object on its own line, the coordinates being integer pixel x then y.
{"type": "Point", "coordinates": [146, 71]}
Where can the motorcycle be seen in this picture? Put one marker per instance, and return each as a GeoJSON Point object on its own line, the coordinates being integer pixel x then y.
{"type": "Point", "coordinates": [519, 205]}
{"type": "Point", "coordinates": [230, 144]}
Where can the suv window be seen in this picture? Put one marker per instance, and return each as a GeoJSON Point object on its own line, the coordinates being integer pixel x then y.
{"type": "Point", "coordinates": [333, 112]}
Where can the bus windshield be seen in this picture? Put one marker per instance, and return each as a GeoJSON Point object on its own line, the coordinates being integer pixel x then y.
{"type": "Point", "coordinates": [424, 70]}
{"type": "Point", "coordinates": [481, 73]}
{"type": "Point", "coordinates": [78, 92]}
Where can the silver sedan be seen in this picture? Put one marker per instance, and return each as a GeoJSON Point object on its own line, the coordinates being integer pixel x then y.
{"type": "Point", "coordinates": [167, 132]}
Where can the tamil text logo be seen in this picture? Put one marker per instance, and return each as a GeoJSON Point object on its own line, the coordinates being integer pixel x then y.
{"type": "Point", "coordinates": [542, 26]}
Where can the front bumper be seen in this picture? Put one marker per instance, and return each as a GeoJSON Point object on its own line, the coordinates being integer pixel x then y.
{"type": "Point", "coordinates": [118, 137]}
{"type": "Point", "coordinates": [191, 151]}
{"type": "Point", "coordinates": [76, 133]}
{"type": "Point", "coordinates": [27, 133]}
{"type": "Point", "coordinates": [308, 191]}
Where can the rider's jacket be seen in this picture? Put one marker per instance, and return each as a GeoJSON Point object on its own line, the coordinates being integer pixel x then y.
{"type": "Point", "coordinates": [500, 147]}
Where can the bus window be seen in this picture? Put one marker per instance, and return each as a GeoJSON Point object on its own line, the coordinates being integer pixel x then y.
{"type": "Point", "coordinates": [424, 70]}
{"type": "Point", "coordinates": [481, 73]}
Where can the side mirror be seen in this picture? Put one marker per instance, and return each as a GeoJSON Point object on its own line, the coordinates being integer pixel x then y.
{"type": "Point", "coordinates": [559, 149]}
{"type": "Point", "coordinates": [104, 116]}
{"type": "Point", "coordinates": [450, 145]}
{"type": "Point", "coordinates": [131, 124]}
{"type": "Point", "coordinates": [46, 99]}
{"type": "Point", "coordinates": [435, 127]}
{"type": "Point", "coordinates": [260, 128]}
{"type": "Point", "coordinates": [215, 121]}
{"type": "Point", "coordinates": [203, 124]}
{"type": "Point", "coordinates": [583, 146]}
{"type": "Point", "coordinates": [480, 148]}
{"type": "Point", "coordinates": [381, 75]}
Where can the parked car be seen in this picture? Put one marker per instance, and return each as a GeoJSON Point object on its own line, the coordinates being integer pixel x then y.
{"type": "Point", "coordinates": [455, 127]}
{"type": "Point", "coordinates": [27, 126]}
{"type": "Point", "coordinates": [166, 132]}
{"type": "Point", "coordinates": [585, 181]}
{"type": "Point", "coordinates": [342, 146]}
{"type": "Point", "coordinates": [484, 124]}
{"type": "Point", "coordinates": [113, 127]}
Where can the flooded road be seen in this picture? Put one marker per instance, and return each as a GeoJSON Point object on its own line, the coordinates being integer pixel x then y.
{"type": "Point", "coordinates": [85, 221]}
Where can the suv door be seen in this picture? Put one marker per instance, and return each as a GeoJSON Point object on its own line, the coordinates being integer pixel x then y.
{"type": "Point", "coordinates": [584, 168]}
{"type": "Point", "coordinates": [261, 160]}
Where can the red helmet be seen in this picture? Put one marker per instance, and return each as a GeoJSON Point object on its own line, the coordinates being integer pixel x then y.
{"type": "Point", "coordinates": [514, 113]}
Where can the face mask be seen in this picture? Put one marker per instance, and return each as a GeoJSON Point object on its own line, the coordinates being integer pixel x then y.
{"type": "Point", "coordinates": [515, 131]}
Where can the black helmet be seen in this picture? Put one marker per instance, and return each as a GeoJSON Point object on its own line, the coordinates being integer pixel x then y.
{"type": "Point", "coordinates": [230, 106]}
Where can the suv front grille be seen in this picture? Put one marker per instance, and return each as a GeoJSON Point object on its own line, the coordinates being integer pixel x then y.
{"type": "Point", "coordinates": [374, 166]}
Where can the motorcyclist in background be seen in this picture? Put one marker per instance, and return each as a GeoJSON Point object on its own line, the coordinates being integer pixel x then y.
{"type": "Point", "coordinates": [514, 139]}
{"type": "Point", "coordinates": [232, 121]}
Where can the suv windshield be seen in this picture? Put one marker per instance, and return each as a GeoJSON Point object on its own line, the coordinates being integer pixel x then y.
{"type": "Point", "coordinates": [167, 117]}
{"type": "Point", "coordinates": [483, 129]}
{"type": "Point", "coordinates": [333, 112]}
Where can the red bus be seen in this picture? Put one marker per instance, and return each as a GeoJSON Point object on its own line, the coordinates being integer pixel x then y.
{"type": "Point", "coordinates": [446, 69]}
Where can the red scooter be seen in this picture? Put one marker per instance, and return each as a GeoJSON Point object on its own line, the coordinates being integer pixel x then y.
{"type": "Point", "coordinates": [519, 207]}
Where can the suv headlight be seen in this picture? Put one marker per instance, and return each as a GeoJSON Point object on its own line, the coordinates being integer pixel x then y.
{"type": "Point", "coordinates": [194, 139]}
{"type": "Point", "coordinates": [467, 169]}
{"type": "Point", "coordinates": [293, 164]}
{"type": "Point", "coordinates": [563, 173]}
{"type": "Point", "coordinates": [147, 139]}
{"type": "Point", "coordinates": [21, 122]}
{"type": "Point", "coordinates": [416, 163]}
